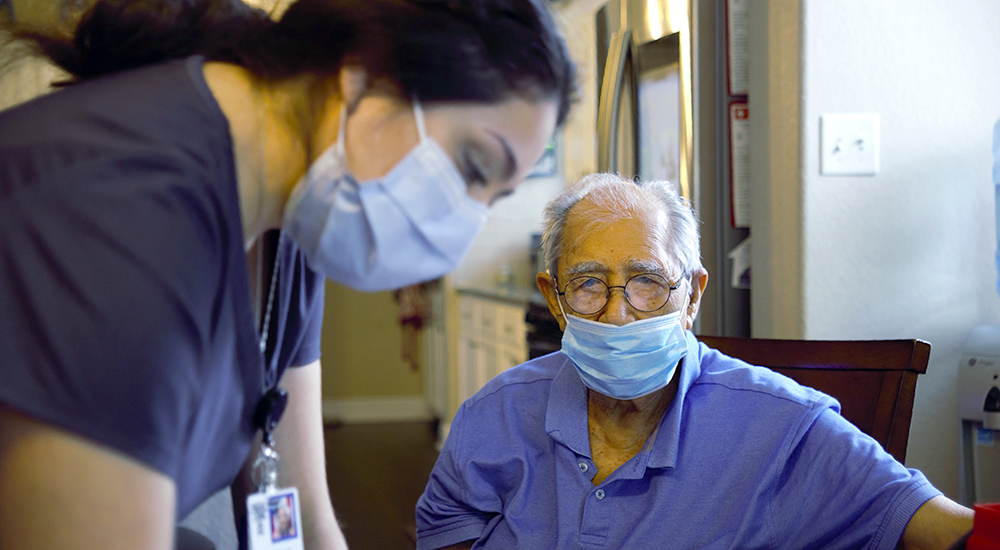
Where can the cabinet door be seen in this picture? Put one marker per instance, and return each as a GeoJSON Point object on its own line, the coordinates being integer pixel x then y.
{"type": "Point", "coordinates": [512, 329]}
{"type": "Point", "coordinates": [466, 378]}
{"type": "Point", "coordinates": [486, 368]}
{"type": "Point", "coordinates": [511, 356]}
{"type": "Point", "coordinates": [467, 318]}
{"type": "Point", "coordinates": [487, 318]}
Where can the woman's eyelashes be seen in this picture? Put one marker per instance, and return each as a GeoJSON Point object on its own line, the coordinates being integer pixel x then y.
{"type": "Point", "coordinates": [475, 165]}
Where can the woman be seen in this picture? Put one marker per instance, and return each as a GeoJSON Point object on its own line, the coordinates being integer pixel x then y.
{"type": "Point", "coordinates": [133, 203]}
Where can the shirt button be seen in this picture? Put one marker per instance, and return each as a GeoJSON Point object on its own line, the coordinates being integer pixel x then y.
{"type": "Point", "coordinates": [583, 467]}
{"type": "Point", "coordinates": [599, 494]}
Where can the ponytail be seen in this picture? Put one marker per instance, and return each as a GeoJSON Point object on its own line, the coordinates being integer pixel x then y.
{"type": "Point", "coordinates": [479, 51]}
{"type": "Point", "coordinates": [116, 35]}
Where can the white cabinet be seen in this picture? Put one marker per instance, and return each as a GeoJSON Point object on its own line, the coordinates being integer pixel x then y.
{"type": "Point", "coordinates": [434, 353]}
{"type": "Point", "coordinates": [491, 339]}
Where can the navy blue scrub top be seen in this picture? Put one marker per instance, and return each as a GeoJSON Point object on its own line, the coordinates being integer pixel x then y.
{"type": "Point", "coordinates": [125, 312]}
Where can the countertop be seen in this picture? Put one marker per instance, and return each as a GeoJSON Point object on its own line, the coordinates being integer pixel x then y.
{"type": "Point", "coordinates": [514, 294]}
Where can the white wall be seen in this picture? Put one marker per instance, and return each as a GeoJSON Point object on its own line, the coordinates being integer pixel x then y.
{"type": "Point", "coordinates": [906, 253]}
{"type": "Point", "coordinates": [506, 238]}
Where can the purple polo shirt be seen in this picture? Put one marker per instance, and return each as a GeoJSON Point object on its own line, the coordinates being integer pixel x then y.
{"type": "Point", "coordinates": [743, 458]}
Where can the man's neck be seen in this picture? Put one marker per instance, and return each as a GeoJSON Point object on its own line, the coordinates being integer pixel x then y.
{"type": "Point", "coordinates": [627, 424]}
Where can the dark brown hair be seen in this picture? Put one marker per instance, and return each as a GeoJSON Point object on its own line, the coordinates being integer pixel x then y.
{"type": "Point", "coordinates": [437, 50]}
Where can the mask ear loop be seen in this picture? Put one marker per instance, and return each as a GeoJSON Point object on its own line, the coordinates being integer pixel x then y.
{"type": "Point", "coordinates": [558, 301]}
{"type": "Point", "coordinates": [342, 130]}
{"type": "Point", "coordinates": [418, 113]}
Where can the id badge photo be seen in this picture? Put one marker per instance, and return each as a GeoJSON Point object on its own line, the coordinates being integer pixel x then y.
{"type": "Point", "coordinates": [275, 520]}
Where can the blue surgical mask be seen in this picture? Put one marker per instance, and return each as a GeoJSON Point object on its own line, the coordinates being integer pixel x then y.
{"type": "Point", "coordinates": [413, 225]}
{"type": "Point", "coordinates": [628, 361]}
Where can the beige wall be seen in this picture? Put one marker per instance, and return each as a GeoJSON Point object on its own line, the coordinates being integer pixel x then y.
{"type": "Point", "coordinates": [776, 306]}
{"type": "Point", "coordinates": [37, 12]}
{"type": "Point", "coordinates": [362, 347]}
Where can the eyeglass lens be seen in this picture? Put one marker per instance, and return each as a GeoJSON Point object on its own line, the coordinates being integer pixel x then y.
{"type": "Point", "coordinates": [646, 292]}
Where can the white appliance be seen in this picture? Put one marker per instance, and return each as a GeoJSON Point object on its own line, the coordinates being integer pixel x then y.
{"type": "Point", "coordinates": [979, 412]}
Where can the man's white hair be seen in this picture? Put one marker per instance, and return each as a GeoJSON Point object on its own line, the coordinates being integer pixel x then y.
{"type": "Point", "coordinates": [617, 198]}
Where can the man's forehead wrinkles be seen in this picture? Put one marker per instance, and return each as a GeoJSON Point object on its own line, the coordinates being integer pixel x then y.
{"type": "Point", "coordinates": [632, 265]}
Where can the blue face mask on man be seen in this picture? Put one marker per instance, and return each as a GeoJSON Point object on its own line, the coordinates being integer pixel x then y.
{"type": "Point", "coordinates": [413, 225]}
{"type": "Point", "coordinates": [627, 361]}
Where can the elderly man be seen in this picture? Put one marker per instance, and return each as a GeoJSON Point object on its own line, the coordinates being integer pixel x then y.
{"type": "Point", "coordinates": [636, 436]}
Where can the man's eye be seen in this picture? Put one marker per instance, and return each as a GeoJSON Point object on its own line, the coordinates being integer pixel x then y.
{"type": "Point", "coordinates": [646, 281]}
{"type": "Point", "coordinates": [588, 285]}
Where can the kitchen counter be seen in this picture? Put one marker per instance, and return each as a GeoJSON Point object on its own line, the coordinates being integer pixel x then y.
{"type": "Point", "coordinates": [516, 294]}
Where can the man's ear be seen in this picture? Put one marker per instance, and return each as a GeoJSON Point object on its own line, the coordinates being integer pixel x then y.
{"type": "Point", "coordinates": [547, 286]}
{"type": "Point", "coordinates": [699, 279]}
{"type": "Point", "coordinates": [354, 84]}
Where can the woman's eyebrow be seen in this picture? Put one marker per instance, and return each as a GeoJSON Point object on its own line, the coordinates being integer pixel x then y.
{"type": "Point", "coordinates": [509, 167]}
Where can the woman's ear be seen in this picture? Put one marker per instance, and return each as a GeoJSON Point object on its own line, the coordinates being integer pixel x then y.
{"type": "Point", "coordinates": [353, 85]}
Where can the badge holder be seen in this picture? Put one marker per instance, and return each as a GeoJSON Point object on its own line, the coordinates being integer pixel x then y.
{"type": "Point", "coordinates": [274, 517]}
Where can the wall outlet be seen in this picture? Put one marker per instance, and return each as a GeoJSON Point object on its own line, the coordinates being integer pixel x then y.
{"type": "Point", "coordinates": [849, 144]}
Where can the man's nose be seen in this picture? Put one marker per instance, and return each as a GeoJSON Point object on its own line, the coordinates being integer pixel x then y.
{"type": "Point", "coordinates": [617, 311]}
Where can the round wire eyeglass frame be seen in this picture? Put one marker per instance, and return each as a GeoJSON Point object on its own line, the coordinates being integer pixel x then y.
{"type": "Point", "coordinates": [607, 293]}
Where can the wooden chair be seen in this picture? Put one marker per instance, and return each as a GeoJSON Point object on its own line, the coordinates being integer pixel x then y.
{"type": "Point", "coordinates": [874, 380]}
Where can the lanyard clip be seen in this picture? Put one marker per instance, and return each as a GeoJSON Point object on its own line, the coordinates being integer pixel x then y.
{"type": "Point", "coordinates": [265, 469]}
{"type": "Point", "coordinates": [266, 416]}
{"type": "Point", "coordinates": [268, 412]}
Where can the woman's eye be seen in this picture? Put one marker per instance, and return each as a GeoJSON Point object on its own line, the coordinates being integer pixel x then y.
{"type": "Point", "coordinates": [474, 176]}
{"type": "Point", "coordinates": [474, 162]}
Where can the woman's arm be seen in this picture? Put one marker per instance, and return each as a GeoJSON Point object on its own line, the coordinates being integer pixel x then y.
{"type": "Point", "coordinates": [299, 442]}
{"type": "Point", "coordinates": [60, 491]}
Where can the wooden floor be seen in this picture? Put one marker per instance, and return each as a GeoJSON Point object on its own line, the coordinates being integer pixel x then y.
{"type": "Point", "coordinates": [376, 474]}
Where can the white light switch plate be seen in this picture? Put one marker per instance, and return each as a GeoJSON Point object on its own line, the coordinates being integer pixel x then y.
{"type": "Point", "coordinates": [849, 144]}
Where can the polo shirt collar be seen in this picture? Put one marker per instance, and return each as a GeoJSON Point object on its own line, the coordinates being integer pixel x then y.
{"type": "Point", "coordinates": [566, 412]}
{"type": "Point", "coordinates": [663, 453]}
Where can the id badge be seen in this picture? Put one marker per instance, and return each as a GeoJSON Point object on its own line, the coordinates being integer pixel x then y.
{"type": "Point", "coordinates": [274, 520]}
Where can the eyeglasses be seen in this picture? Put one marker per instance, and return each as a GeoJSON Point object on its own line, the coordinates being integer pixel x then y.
{"type": "Point", "coordinates": [644, 292]}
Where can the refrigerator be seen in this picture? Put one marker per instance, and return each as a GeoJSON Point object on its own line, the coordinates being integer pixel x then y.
{"type": "Point", "coordinates": [663, 113]}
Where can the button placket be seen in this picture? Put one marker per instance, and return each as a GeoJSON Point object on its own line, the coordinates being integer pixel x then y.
{"type": "Point", "coordinates": [598, 516]}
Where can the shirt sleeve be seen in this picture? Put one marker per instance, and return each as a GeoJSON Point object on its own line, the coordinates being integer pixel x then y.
{"type": "Point", "coordinates": [308, 297]}
{"type": "Point", "coordinates": [109, 293]}
{"type": "Point", "coordinates": [840, 489]}
{"type": "Point", "coordinates": [457, 504]}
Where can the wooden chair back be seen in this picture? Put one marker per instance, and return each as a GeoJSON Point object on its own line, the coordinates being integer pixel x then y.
{"type": "Point", "coordinates": [874, 380]}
